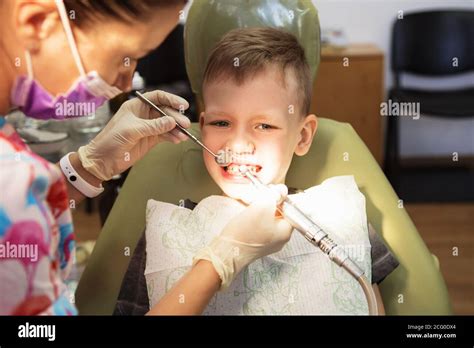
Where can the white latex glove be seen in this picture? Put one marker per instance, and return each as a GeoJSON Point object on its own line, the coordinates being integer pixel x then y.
{"type": "Point", "coordinates": [131, 132]}
{"type": "Point", "coordinates": [254, 233]}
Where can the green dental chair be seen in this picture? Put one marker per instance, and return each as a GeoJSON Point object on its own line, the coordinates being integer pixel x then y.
{"type": "Point", "coordinates": [173, 172]}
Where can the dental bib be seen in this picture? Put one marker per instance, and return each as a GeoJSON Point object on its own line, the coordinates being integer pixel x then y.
{"type": "Point", "coordinates": [299, 279]}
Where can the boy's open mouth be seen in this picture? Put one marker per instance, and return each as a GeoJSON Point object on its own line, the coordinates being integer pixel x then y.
{"type": "Point", "coordinates": [234, 169]}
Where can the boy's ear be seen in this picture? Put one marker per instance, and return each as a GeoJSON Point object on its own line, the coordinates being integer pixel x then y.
{"type": "Point", "coordinates": [307, 132]}
{"type": "Point", "coordinates": [201, 120]}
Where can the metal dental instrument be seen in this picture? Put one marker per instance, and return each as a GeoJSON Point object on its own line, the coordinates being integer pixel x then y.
{"type": "Point", "coordinates": [219, 159]}
{"type": "Point", "coordinates": [316, 236]}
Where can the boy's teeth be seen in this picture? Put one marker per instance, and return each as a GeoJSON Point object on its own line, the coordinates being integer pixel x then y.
{"type": "Point", "coordinates": [243, 168]}
{"type": "Point", "coordinates": [235, 169]}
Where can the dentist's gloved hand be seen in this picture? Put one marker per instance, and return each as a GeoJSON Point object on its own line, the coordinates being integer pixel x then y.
{"type": "Point", "coordinates": [252, 234]}
{"type": "Point", "coordinates": [131, 132]}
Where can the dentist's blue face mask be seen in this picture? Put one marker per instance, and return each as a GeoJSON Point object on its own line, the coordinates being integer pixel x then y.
{"type": "Point", "coordinates": [86, 94]}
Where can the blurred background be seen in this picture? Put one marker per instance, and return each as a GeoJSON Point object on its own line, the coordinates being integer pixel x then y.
{"type": "Point", "coordinates": [375, 55]}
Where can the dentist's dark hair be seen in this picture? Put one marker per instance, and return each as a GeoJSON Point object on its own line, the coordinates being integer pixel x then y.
{"type": "Point", "coordinates": [83, 11]}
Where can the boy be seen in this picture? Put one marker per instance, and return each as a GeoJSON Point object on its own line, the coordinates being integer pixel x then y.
{"type": "Point", "coordinates": [257, 93]}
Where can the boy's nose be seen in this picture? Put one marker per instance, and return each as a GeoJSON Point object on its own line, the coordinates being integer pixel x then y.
{"type": "Point", "coordinates": [240, 145]}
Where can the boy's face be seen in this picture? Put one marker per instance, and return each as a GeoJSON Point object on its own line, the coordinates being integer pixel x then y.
{"type": "Point", "coordinates": [260, 122]}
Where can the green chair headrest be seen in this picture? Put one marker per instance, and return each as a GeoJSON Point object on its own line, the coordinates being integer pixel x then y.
{"type": "Point", "coordinates": [208, 21]}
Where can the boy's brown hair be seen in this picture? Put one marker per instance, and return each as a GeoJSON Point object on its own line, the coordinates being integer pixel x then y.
{"type": "Point", "coordinates": [244, 52]}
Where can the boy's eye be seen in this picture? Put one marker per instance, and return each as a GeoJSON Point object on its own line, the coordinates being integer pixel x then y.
{"type": "Point", "coordinates": [264, 126]}
{"type": "Point", "coordinates": [219, 123]}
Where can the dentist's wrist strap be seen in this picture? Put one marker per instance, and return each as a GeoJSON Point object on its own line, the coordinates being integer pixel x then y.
{"type": "Point", "coordinates": [76, 180]}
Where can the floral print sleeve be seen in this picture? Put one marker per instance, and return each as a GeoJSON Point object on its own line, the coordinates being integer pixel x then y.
{"type": "Point", "coordinates": [36, 233]}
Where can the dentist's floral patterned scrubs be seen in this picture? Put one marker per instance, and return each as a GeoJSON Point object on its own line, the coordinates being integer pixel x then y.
{"type": "Point", "coordinates": [36, 233]}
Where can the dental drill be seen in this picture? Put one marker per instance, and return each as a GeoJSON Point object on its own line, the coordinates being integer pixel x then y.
{"type": "Point", "coordinates": [297, 218]}
{"type": "Point", "coordinates": [316, 236]}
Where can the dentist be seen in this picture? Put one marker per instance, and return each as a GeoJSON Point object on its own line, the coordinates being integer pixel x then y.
{"type": "Point", "coordinates": [84, 52]}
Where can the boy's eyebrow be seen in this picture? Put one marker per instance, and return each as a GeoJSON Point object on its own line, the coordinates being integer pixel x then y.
{"type": "Point", "coordinates": [216, 113]}
{"type": "Point", "coordinates": [269, 116]}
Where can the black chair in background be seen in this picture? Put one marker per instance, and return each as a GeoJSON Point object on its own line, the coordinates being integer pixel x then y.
{"type": "Point", "coordinates": [433, 44]}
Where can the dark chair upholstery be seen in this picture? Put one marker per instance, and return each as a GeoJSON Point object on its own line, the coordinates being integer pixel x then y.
{"type": "Point", "coordinates": [431, 44]}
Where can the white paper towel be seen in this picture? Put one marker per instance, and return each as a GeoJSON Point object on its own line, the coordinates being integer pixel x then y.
{"type": "Point", "coordinates": [299, 279]}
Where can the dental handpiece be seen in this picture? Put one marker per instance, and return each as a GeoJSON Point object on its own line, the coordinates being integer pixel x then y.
{"type": "Point", "coordinates": [218, 157]}
{"type": "Point", "coordinates": [308, 228]}
{"type": "Point", "coordinates": [316, 236]}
